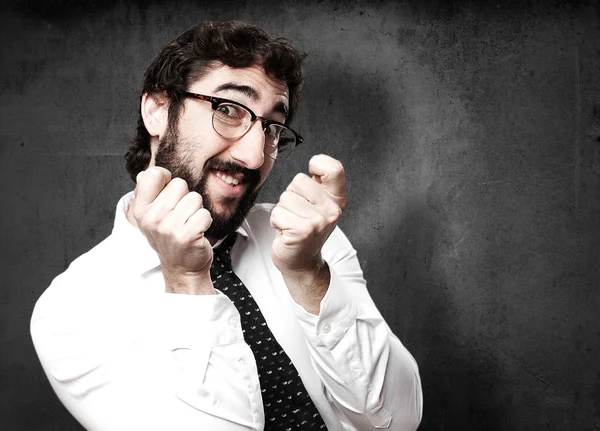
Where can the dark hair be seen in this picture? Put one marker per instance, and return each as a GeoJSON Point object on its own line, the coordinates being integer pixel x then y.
{"type": "Point", "coordinates": [198, 51]}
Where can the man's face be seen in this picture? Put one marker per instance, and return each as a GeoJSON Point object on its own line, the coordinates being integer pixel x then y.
{"type": "Point", "coordinates": [227, 173]}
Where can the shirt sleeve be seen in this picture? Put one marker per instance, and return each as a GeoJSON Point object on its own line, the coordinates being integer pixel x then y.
{"type": "Point", "coordinates": [367, 372]}
{"type": "Point", "coordinates": [115, 367]}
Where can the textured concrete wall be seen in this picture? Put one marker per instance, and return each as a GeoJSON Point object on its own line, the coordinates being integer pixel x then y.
{"type": "Point", "coordinates": [469, 133]}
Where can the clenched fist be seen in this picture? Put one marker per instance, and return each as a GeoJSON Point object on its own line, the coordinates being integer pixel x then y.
{"type": "Point", "coordinates": [173, 220]}
{"type": "Point", "coordinates": [306, 214]}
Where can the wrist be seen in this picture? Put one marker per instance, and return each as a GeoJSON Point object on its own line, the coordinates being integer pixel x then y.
{"type": "Point", "coordinates": [307, 271]}
{"type": "Point", "coordinates": [308, 285]}
{"type": "Point", "coordinates": [188, 283]}
{"type": "Point", "coordinates": [301, 268]}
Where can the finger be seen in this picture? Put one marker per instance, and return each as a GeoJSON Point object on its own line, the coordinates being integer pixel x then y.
{"type": "Point", "coordinates": [298, 205]}
{"type": "Point", "coordinates": [198, 223]}
{"type": "Point", "coordinates": [283, 219]}
{"type": "Point", "coordinates": [329, 172]}
{"type": "Point", "coordinates": [185, 208]}
{"type": "Point", "coordinates": [149, 184]}
{"type": "Point", "coordinates": [308, 188]}
{"type": "Point", "coordinates": [168, 199]}
{"type": "Point", "coordinates": [292, 228]}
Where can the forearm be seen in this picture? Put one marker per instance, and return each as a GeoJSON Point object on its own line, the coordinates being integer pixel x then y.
{"type": "Point", "coordinates": [113, 372]}
{"type": "Point", "coordinates": [380, 384]}
{"type": "Point", "coordinates": [308, 287]}
{"type": "Point", "coordinates": [367, 372]}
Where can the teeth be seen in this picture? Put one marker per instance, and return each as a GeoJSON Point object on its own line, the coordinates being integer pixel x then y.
{"type": "Point", "coordinates": [228, 179]}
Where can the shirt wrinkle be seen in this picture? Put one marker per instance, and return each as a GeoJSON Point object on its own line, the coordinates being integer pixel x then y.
{"type": "Point", "coordinates": [158, 361]}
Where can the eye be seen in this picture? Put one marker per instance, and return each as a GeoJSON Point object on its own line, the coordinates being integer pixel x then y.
{"type": "Point", "coordinates": [232, 111]}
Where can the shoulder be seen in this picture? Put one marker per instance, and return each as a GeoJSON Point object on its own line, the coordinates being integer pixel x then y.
{"type": "Point", "coordinates": [106, 253]}
{"type": "Point", "coordinates": [88, 270]}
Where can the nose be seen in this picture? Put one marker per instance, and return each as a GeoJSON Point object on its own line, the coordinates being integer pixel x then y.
{"type": "Point", "coordinates": [248, 150]}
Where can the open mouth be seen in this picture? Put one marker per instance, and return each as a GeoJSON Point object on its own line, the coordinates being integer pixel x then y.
{"type": "Point", "coordinates": [232, 180]}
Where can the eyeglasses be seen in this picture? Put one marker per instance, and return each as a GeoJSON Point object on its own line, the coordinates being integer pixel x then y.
{"type": "Point", "coordinates": [232, 120]}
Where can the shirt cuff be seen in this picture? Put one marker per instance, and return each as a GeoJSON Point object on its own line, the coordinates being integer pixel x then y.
{"type": "Point", "coordinates": [338, 312]}
{"type": "Point", "coordinates": [201, 320]}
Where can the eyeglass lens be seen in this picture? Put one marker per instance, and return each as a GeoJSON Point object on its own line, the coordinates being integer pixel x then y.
{"type": "Point", "coordinates": [232, 121]}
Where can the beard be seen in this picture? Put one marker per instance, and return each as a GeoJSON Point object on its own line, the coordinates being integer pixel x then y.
{"type": "Point", "coordinates": [175, 155]}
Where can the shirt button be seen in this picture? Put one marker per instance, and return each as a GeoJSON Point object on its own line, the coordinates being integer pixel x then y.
{"type": "Point", "coordinates": [326, 328]}
{"type": "Point", "coordinates": [232, 322]}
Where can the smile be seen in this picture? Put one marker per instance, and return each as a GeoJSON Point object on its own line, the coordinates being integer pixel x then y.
{"type": "Point", "coordinates": [229, 179]}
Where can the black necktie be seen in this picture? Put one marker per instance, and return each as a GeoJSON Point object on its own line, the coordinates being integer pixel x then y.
{"type": "Point", "coordinates": [287, 404]}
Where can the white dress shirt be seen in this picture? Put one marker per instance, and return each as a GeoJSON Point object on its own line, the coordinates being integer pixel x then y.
{"type": "Point", "coordinates": [122, 354]}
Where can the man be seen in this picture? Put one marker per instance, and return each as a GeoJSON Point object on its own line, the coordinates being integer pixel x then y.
{"type": "Point", "coordinates": [153, 330]}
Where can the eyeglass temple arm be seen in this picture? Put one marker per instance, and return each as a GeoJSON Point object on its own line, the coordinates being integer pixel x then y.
{"type": "Point", "coordinates": [210, 99]}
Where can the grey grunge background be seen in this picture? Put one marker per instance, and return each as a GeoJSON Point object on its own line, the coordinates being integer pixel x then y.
{"type": "Point", "coordinates": [470, 136]}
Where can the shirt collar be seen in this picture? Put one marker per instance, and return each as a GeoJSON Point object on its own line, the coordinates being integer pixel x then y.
{"type": "Point", "coordinates": [142, 254]}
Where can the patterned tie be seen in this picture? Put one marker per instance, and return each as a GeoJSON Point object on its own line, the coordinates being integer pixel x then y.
{"type": "Point", "coordinates": [287, 404]}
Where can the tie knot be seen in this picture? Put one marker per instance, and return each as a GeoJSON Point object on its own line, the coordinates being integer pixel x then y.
{"type": "Point", "coordinates": [222, 256]}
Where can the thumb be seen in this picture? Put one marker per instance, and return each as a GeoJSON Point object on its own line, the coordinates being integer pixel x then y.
{"type": "Point", "coordinates": [330, 173]}
{"type": "Point", "coordinates": [149, 184]}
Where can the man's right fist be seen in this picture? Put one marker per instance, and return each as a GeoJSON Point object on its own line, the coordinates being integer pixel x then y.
{"type": "Point", "coordinates": [173, 220]}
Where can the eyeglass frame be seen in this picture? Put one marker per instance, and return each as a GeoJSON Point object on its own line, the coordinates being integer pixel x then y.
{"type": "Point", "coordinates": [216, 101]}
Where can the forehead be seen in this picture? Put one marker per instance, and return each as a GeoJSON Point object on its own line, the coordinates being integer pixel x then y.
{"type": "Point", "coordinates": [268, 89]}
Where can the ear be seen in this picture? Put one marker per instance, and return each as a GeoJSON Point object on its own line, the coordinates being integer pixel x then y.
{"type": "Point", "coordinates": [155, 109]}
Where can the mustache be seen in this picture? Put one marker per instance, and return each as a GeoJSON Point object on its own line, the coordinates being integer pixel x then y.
{"type": "Point", "coordinates": [231, 168]}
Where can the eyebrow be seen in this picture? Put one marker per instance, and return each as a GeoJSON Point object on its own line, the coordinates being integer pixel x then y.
{"type": "Point", "coordinates": [246, 90]}
{"type": "Point", "coordinates": [252, 94]}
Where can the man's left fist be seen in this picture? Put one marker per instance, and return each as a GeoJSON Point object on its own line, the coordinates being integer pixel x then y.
{"type": "Point", "coordinates": [306, 214]}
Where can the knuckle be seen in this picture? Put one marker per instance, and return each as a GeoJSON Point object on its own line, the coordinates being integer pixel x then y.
{"type": "Point", "coordinates": [178, 238]}
{"type": "Point", "coordinates": [322, 220]}
{"type": "Point", "coordinates": [337, 168]}
{"type": "Point", "coordinates": [181, 238]}
{"type": "Point", "coordinates": [179, 184]}
{"type": "Point", "coordinates": [165, 229]}
{"type": "Point", "coordinates": [275, 213]}
{"type": "Point", "coordinates": [159, 170]}
{"type": "Point", "coordinates": [305, 229]}
{"type": "Point", "coordinates": [196, 197]}
{"type": "Point", "coordinates": [154, 173]}
{"type": "Point", "coordinates": [162, 230]}
{"type": "Point", "coordinates": [138, 214]}
{"type": "Point", "coordinates": [203, 212]}
{"type": "Point", "coordinates": [206, 215]}
{"type": "Point", "coordinates": [334, 213]}
{"type": "Point", "coordinates": [286, 196]}
{"type": "Point", "coordinates": [151, 220]}
{"type": "Point", "coordinates": [318, 157]}
{"type": "Point", "coordinates": [202, 219]}
{"type": "Point", "coordinates": [299, 179]}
